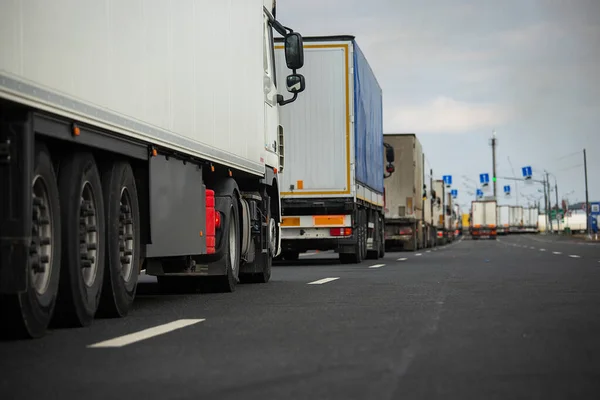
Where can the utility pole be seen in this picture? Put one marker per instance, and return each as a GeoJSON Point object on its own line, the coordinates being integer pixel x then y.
{"type": "Point", "coordinates": [494, 140]}
{"type": "Point", "coordinates": [548, 220]}
{"type": "Point", "coordinates": [587, 199]}
{"type": "Point", "coordinates": [557, 207]}
{"type": "Point", "coordinates": [549, 204]}
{"type": "Point", "coordinates": [423, 202]}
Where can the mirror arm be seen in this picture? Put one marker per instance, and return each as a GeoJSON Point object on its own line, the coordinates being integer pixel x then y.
{"type": "Point", "coordinates": [282, 30]}
{"type": "Point", "coordinates": [283, 102]}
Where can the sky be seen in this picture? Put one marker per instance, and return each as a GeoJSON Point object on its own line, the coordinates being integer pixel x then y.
{"type": "Point", "coordinates": [454, 71]}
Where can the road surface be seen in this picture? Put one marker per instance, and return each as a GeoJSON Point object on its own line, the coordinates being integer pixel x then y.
{"type": "Point", "coordinates": [516, 318]}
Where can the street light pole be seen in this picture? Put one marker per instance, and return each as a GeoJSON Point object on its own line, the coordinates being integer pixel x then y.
{"type": "Point", "coordinates": [587, 199]}
{"type": "Point", "coordinates": [494, 164]}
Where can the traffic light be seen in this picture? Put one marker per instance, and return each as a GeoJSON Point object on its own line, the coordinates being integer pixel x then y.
{"type": "Point", "coordinates": [494, 179]}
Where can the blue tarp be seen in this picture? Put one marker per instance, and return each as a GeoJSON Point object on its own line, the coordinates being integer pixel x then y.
{"type": "Point", "coordinates": [368, 124]}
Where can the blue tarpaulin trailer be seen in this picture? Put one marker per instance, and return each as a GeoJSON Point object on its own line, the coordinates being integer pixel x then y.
{"type": "Point", "coordinates": [332, 179]}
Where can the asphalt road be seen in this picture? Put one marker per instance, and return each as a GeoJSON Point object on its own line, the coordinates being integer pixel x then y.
{"type": "Point", "coordinates": [516, 318]}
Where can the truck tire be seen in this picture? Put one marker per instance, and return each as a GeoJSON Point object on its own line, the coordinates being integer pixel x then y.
{"type": "Point", "coordinates": [361, 241]}
{"type": "Point", "coordinates": [28, 314]}
{"type": "Point", "coordinates": [122, 239]}
{"type": "Point", "coordinates": [232, 246]}
{"type": "Point", "coordinates": [83, 240]}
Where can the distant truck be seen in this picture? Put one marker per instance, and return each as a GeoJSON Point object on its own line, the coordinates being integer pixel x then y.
{"type": "Point", "coordinates": [404, 217]}
{"type": "Point", "coordinates": [530, 219]}
{"type": "Point", "coordinates": [503, 220]}
{"type": "Point", "coordinates": [142, 137]}
{"type": "Point", "coordinates": [484, 219]}
{"type": "Point", "coordinates": [516, 219]}
{"type": "Point", "coordinates": [333, 160]}
{"type": "Point", "coordinates": [429, 228]}
{"type": "Point", "coordinates": [439, 213]}
{"type": "Point", "coordinates": [449, 217]}
{"type": "Point", "coordinates": [466, 218]}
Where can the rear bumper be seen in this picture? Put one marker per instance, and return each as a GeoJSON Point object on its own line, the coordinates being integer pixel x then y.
{"type": "Point", "coordinates": [484, 233]}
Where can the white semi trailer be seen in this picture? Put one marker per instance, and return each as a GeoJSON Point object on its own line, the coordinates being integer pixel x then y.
{"type": "Point", "coordinates": [136, 137]}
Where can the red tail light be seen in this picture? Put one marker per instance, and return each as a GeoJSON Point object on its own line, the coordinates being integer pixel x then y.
{"type": "Point", "coordinates": [211, 221]}
{"type": "Point", "coordinates": [340, 231]}
{"type": "Point", "coordinates": [405, 231]}
{"type": "Point", "coordinates": [217, 219]}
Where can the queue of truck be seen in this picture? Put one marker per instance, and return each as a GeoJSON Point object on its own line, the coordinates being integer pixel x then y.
{"type": "Point", "coordinates": [419, 213]}
{"type": "Point", "coordinates": [199, 172]}
{"type": "Point", "coordinates": [488, 219]}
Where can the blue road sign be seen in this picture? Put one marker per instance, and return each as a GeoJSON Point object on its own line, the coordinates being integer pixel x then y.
{"type": "Point", "coordinates": [454, 193]}
{"type": "Point", "coordinates": [484, 179]}
{"type": "Point", "coordinates": [448, 179]}
{"type": "Point", "coordinates": [595, 208]}
{"type": "Point", "coordinates": [507, 189]}
{"type": "Point", "coordinates": [527, 172]}
{"type": "Point", "coordinates": [479, 193]}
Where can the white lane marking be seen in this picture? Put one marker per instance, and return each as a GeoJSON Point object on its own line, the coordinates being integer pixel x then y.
{"type": "Point", "coordinates": [418, 255]}
{"type": "Point", "coordinates": [556, 252]}
{"type": "Point", "coordinates": [542, 249]}
{"type": "Point", "coordinates": [404, 259]}
{"type": "Point", "coordinates": [574, 256]}
{"type": "Point", "coordinates": [428, 251]}
{"type": "Point", "coordinates": [146, 333]}
{"type": "Point", "coordinates": [532, 248]}
{"type": "Point", "coordinates": [322, 281]}
{"type": "Point", "coordinates": [377, 266]}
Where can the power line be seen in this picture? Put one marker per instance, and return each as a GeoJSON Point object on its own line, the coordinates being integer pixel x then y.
{"type": "Point", "coordinates": [568, 155]}
{"type": "Point", "coordinates": [570, 168]}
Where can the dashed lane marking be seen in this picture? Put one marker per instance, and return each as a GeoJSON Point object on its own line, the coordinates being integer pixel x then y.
{"type": "Point", "coordinates": [574, 256]}
{"type": "Point", "coordinates": [556, 252]}
{"type": "Point", "coordinates": [542, 249]}
{"type": "Point", "coordinates": [402, 259]}
{"type": "Point", "coordinates": [377, 266]}
{"type": "Point", "coordinates": [418, 255]}
{"type": "Point", "coordinates": [145, 334]}
{"type": "Point", "coordinates": [322, 281]}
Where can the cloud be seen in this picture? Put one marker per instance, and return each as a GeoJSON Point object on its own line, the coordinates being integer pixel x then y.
{"type": "Point", "coordinates": [446, 115]}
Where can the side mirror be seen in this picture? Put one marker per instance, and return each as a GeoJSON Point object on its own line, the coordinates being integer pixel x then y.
{"type": "Point", "coordinates": [294, 51]}
{"type": "Point", "coordinates": [295, 83]}
{"type": "Point", "coordinates": [389, 154]}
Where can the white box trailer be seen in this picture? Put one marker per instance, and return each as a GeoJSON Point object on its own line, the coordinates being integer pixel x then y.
{"type": "Point", "coordinates": [516, 219]}
{"type": "Point", "coordinates": [526, 219]}
{"type": "Point", "coordinates": [530, 219]}
{"type": "Point", "coordinates": [134, 136]}
{"type": "Point", "coordinates": [503, 219]}
{"type": "Point", "coordinates": [332, 181]}
{"type": "Point", "coordinates": [484, 219]}
{"type": "Point", "coordinates": [404, 194]}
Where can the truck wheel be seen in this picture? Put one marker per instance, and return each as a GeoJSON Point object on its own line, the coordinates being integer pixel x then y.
{"type": "Point", "coordinates": [360, 248]}
{"type": "Point", "coordinates": [122, 239]}
{"type": "Point", "coordinates": [263, 261]}
{"type": "Point", "coordinates": [28, 314]}
{"type": "Point", "coordinates": [231, 258]}
{"type": "Point", "coordinates": [83, 239]}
